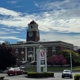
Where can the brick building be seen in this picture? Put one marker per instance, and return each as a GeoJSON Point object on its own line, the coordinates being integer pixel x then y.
{"type": "Point", "coordinates": [27, 51]}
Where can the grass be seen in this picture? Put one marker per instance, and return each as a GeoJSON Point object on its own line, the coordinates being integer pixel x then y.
{"type": "Point", "coordinates": [53, 68]}
{"type": "Point", "coordinates": [76, 68]}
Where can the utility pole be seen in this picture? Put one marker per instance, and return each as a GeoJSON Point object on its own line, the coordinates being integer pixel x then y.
{"type": "Point", "coordinates": [70, 59]}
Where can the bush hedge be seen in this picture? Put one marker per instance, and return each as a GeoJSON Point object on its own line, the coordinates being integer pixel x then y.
{"type": "Point", "coordinates": [25, 72]}
{"type": "Point", "coordinates": [1, 78]}
{"type": "Point", "coordinates": [77, 77]}
{"type": "Point", "coordinates": [40, 75]}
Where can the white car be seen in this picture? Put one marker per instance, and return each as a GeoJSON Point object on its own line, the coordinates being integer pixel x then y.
{"type": "Point", "coordinates": [66, 73]}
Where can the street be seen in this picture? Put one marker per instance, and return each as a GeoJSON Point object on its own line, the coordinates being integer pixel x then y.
{"type": "Point", "coordinates": [23, 77]}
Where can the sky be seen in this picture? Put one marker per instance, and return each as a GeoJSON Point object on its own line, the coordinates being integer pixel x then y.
{"type": "Point", "coordinates": [58, 20]}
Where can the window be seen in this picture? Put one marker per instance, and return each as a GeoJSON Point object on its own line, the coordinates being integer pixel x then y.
{"type": "Point", "coordinates": [31, 26]}
{"type": "Point", "coordinates": [16, 51]}
{"type": "Point", "coordinates": [30, 49]}
{"type": "Point", "coordinates": [22, 52]}
{"type": "Point", "coordinates": [23, 59]}
{"type": "Point", "coordinates": [53, 50]}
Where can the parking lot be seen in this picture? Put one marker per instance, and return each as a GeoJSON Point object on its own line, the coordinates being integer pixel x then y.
{"type": "Point", "coordinates": [23, 77]}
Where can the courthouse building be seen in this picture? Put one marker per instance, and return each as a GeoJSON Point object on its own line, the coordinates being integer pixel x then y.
{"type": "Point", "coordinates": [26, 51]}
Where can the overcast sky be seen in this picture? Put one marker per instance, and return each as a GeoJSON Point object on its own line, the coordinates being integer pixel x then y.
{"type": "Point", "coordinates": [58, 20]}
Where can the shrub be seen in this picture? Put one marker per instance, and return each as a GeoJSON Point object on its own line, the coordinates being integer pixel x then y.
{"type": "Point", "coordinates": [25, 72]}
{"type": "Point", "coordinates": [77, 77]}
{"type": "Point", "coordinates": [40, 75]}
{"type": "Point", "coordinates": [1, 78]}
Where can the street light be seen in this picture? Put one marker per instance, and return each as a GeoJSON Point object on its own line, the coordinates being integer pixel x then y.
{"type": "Point", "coordinates": [70, 59]}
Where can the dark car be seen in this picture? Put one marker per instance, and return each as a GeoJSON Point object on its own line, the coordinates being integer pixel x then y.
{"type": "Point", "coordinates": [33, 63]}
{"type": "Point", "coordinates": [66, 73]}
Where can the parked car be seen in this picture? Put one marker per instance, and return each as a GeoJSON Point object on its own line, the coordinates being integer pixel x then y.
{"type": "Point", "coordinates": [14, 71]}
{"type": "Point", "coordinates": [24, 65]}
{"type": "Point", "coordinates": [66, 73]}
{"type": "Point", "coordinates": [33, 63]}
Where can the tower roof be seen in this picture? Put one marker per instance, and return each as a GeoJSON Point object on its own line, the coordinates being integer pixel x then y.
{"type": "Point", "coordinates": [33, 22]}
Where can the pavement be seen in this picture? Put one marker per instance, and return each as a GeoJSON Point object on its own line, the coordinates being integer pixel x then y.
{"type": "Point", "coordinates": [23, 77]}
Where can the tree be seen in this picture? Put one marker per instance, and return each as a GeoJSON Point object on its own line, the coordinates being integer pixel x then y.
{"type": "Point", "coordinates": [58, 60]}
{"type": "Point", "coordinates": [6, 42]}
{"type": "Point", "coordinates": [78, 51]}
{"type": "Point", "coordinates": [7, 58]}
{"type": "Point", "coordinates": [50, 60]}
{"type": "Point", "coordinates": [75, 57]}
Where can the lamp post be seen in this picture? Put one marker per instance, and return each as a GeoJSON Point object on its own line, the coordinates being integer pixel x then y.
{"type": "Point", "coordinates": [70, 59]}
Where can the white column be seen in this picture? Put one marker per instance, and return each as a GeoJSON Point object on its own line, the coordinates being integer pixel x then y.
{"type": "Point", "coordinates": [34, 53]}
{"type": "Point", "coordinates": [25, 53]}
{"type": "Point", "coordinates": [38, 60]}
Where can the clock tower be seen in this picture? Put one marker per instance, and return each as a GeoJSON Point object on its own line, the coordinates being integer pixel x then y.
{"type": "Point", "coordinates": [33, 32]}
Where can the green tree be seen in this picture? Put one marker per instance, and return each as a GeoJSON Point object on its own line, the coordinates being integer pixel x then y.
{"type": "Point", "coordinates": [75, 56]}
{"type": "Point", "coordinates": [7, 58]}
{"type": "Point", "coordinates": [6, 42]}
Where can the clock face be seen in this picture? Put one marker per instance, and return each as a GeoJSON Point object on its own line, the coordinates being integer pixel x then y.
{"type": "Point", "coordinates": [30, 34]}
{"type": "Point", "coordinates": [37, 34]}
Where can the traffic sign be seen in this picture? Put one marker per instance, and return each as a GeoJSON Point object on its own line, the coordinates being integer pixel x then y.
{"type": "Point", "coordinates": [42, 53]}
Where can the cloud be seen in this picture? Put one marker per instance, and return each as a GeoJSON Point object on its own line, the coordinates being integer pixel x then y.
{"type": "Point", "coordinates": [58, 5]}
{"type": "Point", "coordinates": [60, 37]}
{"type": "Point", "coordinates": [8, 31]}
{"type": "Point", "coordinates": [59, 16]}
{"type": "Point", "coordinates": [61, 20]}
{"type": "Point", "coordinates": [7, 12]}
{"type": "Point", "coordinates": [11, 38]}
{"type": "Point", "coordinates": [36, 4]}
{"type": "Point", "coordinates": [13, 1]}
{"type": "Point", "coordinates": [1, 41]}
{"type": "Point", "coordinates": [7, 34]}
{"type": "Point", "coordinates": [2, 33]}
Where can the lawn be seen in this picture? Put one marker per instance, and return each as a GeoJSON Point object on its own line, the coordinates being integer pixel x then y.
{"type": "Point", "coordinates": [53, 68]}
